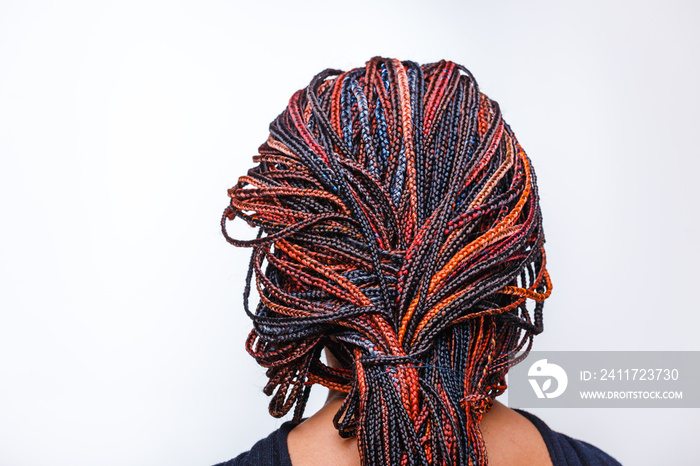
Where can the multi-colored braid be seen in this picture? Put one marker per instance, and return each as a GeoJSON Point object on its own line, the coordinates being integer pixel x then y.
{"type": "Point", "coordinates": [400, 223]}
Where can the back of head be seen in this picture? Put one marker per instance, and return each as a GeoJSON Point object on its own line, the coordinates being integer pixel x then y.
{"type": "Point", "coordinates": [400, 226]}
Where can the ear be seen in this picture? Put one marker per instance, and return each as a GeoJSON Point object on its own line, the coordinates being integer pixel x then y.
{"type": "Point", "coordinates": [331, 360]}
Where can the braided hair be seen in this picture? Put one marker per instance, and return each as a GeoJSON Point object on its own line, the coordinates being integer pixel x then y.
{"type": "Point", "coordinates": [399, 221]}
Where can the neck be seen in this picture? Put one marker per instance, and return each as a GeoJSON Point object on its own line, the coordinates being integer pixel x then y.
{"type": "Point", "coordinates": [510, 438]}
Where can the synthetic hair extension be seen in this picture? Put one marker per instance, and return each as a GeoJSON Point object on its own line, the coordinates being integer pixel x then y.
{"type": "Point", "coordinates": [400, 224]}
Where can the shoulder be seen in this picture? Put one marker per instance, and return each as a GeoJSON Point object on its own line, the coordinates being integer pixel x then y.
{"type": "Point", "coordinates": [566, 450]}
{"type": "Point", "coordinates": [270, 451]}
{"type": "Point", "coordinates": [512, 439]}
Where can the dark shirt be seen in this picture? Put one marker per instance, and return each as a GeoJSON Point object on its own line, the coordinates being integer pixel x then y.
{"type": "Point", "coordinates": [563, 450]}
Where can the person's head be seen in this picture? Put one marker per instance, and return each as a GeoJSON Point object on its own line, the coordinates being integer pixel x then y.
{"type": "Point", "coordinates": [400, 226]}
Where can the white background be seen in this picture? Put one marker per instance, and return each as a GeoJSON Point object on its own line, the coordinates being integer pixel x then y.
{"type": "Point", "coordinates": [122, 124]}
